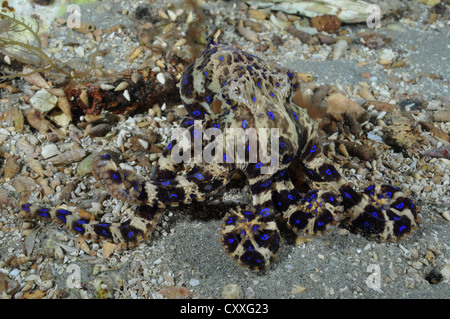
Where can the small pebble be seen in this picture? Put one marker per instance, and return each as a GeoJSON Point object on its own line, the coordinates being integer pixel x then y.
{"type": "Point", "coordinates": [231, 291]}
{"type": "Point", "coordinates": [161, 79]}
{"type": "Point", "coordinates": [194, 282]}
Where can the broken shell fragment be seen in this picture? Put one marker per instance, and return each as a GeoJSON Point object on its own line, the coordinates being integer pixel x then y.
{"type": "Point", "coordinates": [35, 78]}
{"type": "Point", "coordinates": [35, 166]}
{"type": "Point", "coordinates": [49, 150]}
{"type": "Point", "coordinates": [122, 86]}
{"type": "Point", "coordinates": [69, 156]}
{"type": "Point", "coordinates": [12, 167]}
{"type": "Point", "coordinates": [43, 101]}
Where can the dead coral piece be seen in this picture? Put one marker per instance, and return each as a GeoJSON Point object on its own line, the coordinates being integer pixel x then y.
{"type": "Point", "coordinates": [440, 152]}
{"type": "Point", "coordinates": [92, 98]}
{"type": "Point", "coordinates": [436, 131]}
{"type": "Point", "coordinates": [248, 34]}
{"type": "Point", "coordinates": [362, 152]}
{"type": "Point", "coordinates": [374, 40]}
{"type": "Point", "coordinates": [326, 22]}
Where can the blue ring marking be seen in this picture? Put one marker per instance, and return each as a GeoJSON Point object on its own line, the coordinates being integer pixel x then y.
{"type": "Point", "coordinates": [258, 165]}
{"type": "Point", "coordinates": [221, 58]}
{"type": "Point", "coordinates": [332, 198]}
{"type": "Point", "coordinates": [374, 214]}
{"type": "Point", "coordinates": [216, 126]}
{"type": "Point", "coordinates": [198, 176]}
{"type": "Point", "coordinates": [264, 237]}
{"type": "Point", "coordinates": [230, 240]}
{"type": "Point", "coordinates": [264, 212]}
{"type": "Point", "coordinates": [400, 206]}
{"type": "Point", "coordinates": [389, 194]}
{"type": "Point", "coordinates": [173, 195]}
{"type": "Point", "coordinates": [195, 133]}
{"type": "Point", "coordinates": [206, 73]}
{"type": "Point", "coordinates": [225, 158]}
{"type": "Point", "coordinates": [169, 146]}
{"type": "Point", "coordinates": [62, 218]}
{"type": "Point", "coordinates": [130, 234]}
{"type": "Point", "coordinates": [208, 99]}
{"type": "Point", "coordinates": [196, 113]}
{"type": "Point", "coordinates": [319, 223]}
{"type": "Point", "coordinates": [291, 197]}
{"type": "Point", "coordinates": [295, 115]}
{"type": "Point", "coordinates": [290, 74]}
{"type": "Point", "coordinates": [244, 124]}
{"type": "Point", "coordinates": [366, 224]}
{"type": "Point", "coordinates": [115, 176]}
{"type": "Point", "coordinates": [278, 84]}
{"type": "Point", "coordinates": [281, 144]}
{"type": "Point", "coordinates": [328, 172]}
{"type": "Point", "coordinates": [271, 115]}
{"type": "Point", "coordinates": [313, 149]}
